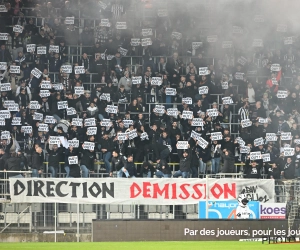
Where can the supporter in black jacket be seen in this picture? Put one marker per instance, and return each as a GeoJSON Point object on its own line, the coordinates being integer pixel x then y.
{"type": "Point", "coordinates": [107, 146]}
{"type": "Point", "coordinates": [162, 169]}
{"type": "Point", "coordinates": [147, 170]}
{"type": "Point", "coordinates": [288, 169]}
{"type": "Point", "coordinates": [252, 171]}
{"type": "Point", "coordinates": [54, 158]}
{"type": "Point", "coordinates": [37, 162]}
{"type": "Point", "coordinates": [117, 163]}
{"type": "Point", "coordinates": [13, 163]}
{"type": "Point", "coordinates": [129, 168]}
{"type": "Point", "coordinates": [87, 162]}
{"type": "Point", "coordinates": [274, 171]}
{"type": "Point", "coordinates": [229, 161]}
{"type": "Point", "coordinates": [74, 169]}
{"type": "Point", "coordinates": [184, 164]}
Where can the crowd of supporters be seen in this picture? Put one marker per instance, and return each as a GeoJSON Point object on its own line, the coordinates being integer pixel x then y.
{"type": "Point", "coordinates": [237, 113]}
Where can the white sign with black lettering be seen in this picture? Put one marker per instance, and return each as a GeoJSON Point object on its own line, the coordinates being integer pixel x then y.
{"type": "Point", "coordinates": [203, 90]}
{"type": "Point", "coordinates": [202, 143]}
{"type": "Point", "coordinates": [288, 40]}
{"type": "Point", "coordinates": [77, 122]}
{"type": "Point", "coordinates": [244, 150]}
{"type": "Point", "coordinates": [135, 42]}
{"type": "Point", "coordinates": [54, 140]}
{"type": "Point", "coordinates": [73, 143]}
{"type": "Point", "coordinates": [41, 50]}
{"type": "Point", "coordinates": [36, 72]}
{"type": "Point", "coordinates": [30, 48]}
{"type": "Point", "coordinates": [13, 107]}
{"type": "Point", "coordinates": [176, 35]}
{"type": "Point", "coordinates": [38, 116]}
{"type": "Point", "coordinates": [50, 119]}
{"type": "Point", "coordinates": [18, 29]}
{"type": "Point", "coordinates": [132, 134]}
{"type": "Point", "coordinates": [53, 49]}
{"type": "Point", "coordinates": [182, 145]}
{"type": "Point", "coordinates": [224, 85]}
{"type": "Point", "coordinates": [66, 69]}
{"type": "Point", "coordinates": [5, 87]}
{"type": "Point", "coordinates": [91, 131]}
{"type": "Point", "coordinates": [275, 67]}
{"type": "Point", "coordinates": [2, 122]}
{"type": "Point", "coordinates": [197, 122]}
{"type": "Point", "coordinates": [3, 8]}
{"type": "Point", "coordinates": [227, 44]}
{"type": "Point", "coordinates": [69, 20]}
{"type": "Point", "coordinates": [44, 93]}
{"type": "Point", "coordinates": [46, 85]}
{"type": "Point", "coordinates": [4, 36]}
{"type": "Point", "coordinates": [146, 42]}
{"type": "Point", "coordinates": [122, 136]}
{"type": "Point", "coordinates": [79, 90]}
{"type": "Point", "coordinates": [3, 65]}
{"type": "Point", "coordinates": [109, 57]}
{"type": "Point", "coordinates": [4, 114]}
{"type": "Point", "coordinates": [187, 115]}
{"type": "Point", "coordinates": [58, 86]}
{"type": "Point", "coordinates": [258, 141]}
{"type": "Point", "coordinates": [172, 112]}
{"type": "Point", "coordinates": [257, 43]}
{"type": "Point", "coordinates": [26, 129]}
{"type": "Point", "coordinates": [212, 39]}
{"type": "Point", "coordinates": [187, 100]}
{"type": "Point", "coordinates": [5, 135]}
{"type": "Point", "coordinates": [102, 5]}
{"type": "Point", "coordinates": [34, 105]}
{"type": "Point", "coordinates": [105, 23]}
{"type": "Point", "coordinates": [90, 122]}
{"type": "Point", "coordinates": [196, 45]}
{"type": "Point", "coordinates": [237, 30]}
{"type": "Point", "coordinates": [111, 109]}
{"type": "Point", "coordinates": [288, 151]}
{"type": "Point", "coordinates": [286, 136]}
{"type": "Point", "coordinates": [171, 91]}
{"type": "Point", "coordinates": [255, 155]}
{"type": "Point", "coordinates": [73, 160]}
{"type": "Point", "coordinates": [105, 97]}
{"type": "Point", "coordinates": [43, 127]}
{"type": "Point", "coordinates": [195, 135]}
{"type": "Point", "coordinates": [240, 141]}
{"type": "Point", "coordinates": [88, 145]}
{"type": "Point", "coordinates": [127, 123]}
{"type": "Point", "coordinates": [156, 81]}
{"type": "Point", "coordinates": [136, 80]}
{"type": "Point", "coordinates": [106, 123]}
{"type": "Point", "coordinates": [123, 51]}
{"type": "Point", "coordinates": [212, 112]}
{"type": "Point", "coordinates": [147, 32]}
{"type": "Point", "coordinates": [242, 60]}
{"type": "Point", "coordinates": [266, 157]}
{"type": "Point", "coordinates": [281, 94]}
{"type": "Point", "coordinates": [121, 25]}
{"type": "Point", "coordinates": [62, 105]}
{"type": "Point", "coordinates": [14, 69]}
{"type": "Point", "coordinates": [274, 81]}
{"type": "Point", "coordinates": [71, 111]}
{"type": "Point", "coordinates": [144, 136]}
{"type": "Point", "coordinates": [246, 123]}
{"type": "Point", "coordinates": [281, 28]}
{"type": "Point", "coordinates": [216, 136]}
{"type": "Point", "coordinates": [160, 109]}
{"type": "Point", "coordinates": [227, 100]}
{"type": "Point", "coordinates": [297, 141]}
{"type": "Point", "coordinates": [79, 70]}
{"type": "Point", "coordinates": [259, 18]}
{"type": "Point", "coordinates": [16, 121]}
{"type": "Point", "coordinates": [162, 12]}
{"type": "Point", "coordinates": [263, 120]}
{"type": "Point", "coordinates": [239, 76]}
{"type": "Point", "coordinates": [271, 137]}
{"type": "Point", "coordinates": [203, 71]}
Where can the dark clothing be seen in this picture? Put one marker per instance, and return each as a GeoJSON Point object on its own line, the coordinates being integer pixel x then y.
{"type": "Point", "coordinates": [117, 163]}
{"type": "Point", "coordinates": [87, 159]}
{"type": "Point", "coordinates": [13, 164]}
{"type": "Point", "coordinates": [37, 161]}
{"type": "Point", "coordinates": [228, 166]}
{"type": "Point", "coordinates": [166, 169]}
{"type": "Point", "coordinates": [185, 162]}
{"type": "Point", "coordinates": [252, 172]}
{"type": "Point", "coordinates": [54, 156]}
{"type": "Point", "coordinates": [130, 167]}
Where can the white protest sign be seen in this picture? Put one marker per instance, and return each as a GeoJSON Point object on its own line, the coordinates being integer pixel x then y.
{"type": "Point", "coordinates": [172, 112]}
{"type": "Point", "coordinates": [4, 114]}
{"type": "Point", "coordinates": [275, 67]}
{"type": "Point", "coordinates": [297, 141]}
{"type": "Point", "coordinates": [216, 136]}
{"type": "Point", "coordinates": [244, 150]}
{"type": "Point", "coordinates": [3, 65]}
{"type": "Point", "coordinates": [102, 5]}
{"type": "Point", "coordinates": [203, 71]}
{"type": "Point", "coordinates": [5, 87]}
{"type": "Point", "coordinates": [50, 119]}
{"type": "Point", "coordinates": [62, 105]}
{"type": "Point", "coordinates": [91, 131]}
{"type": "Point", "coordinates": [212, 39]}
{"type": "Point", "coordinates": [255, 155]}
{"type": "Point", "coordinates": [196, 45]}
{"type": "Point", "coordinates": [5, 135]}
{"type": "Point", "coordinates": [197, 122]}
{"type": "Point", "coordinates": [227, 44]}
{"type": "Point", "coordinates": [274, 81]}
{"type": "Point", "coordinates": [136, 80]}
{"type": "Point", "coordinates": [26, 129]}
{"type": "Point", "coordinates": [203, 90]}
{"type": "Point", "coordinates": [106, 123]}
{"type": "Point", "coordinates": [224, 85]}
{"type": "Point", "coordinates": [73, 160]}
{"type": "Point", "coordinates": [43, 127]}
{"type": "Point", "coordinates": [54, 140]}
{"type": "Point", "coordinates": [38, 116]}
{"type": "Point", "coordinates": [58, 86]}
{"type": "Point", "coordinates": [144, 136]}
{"type": "Point", "coordinates": [90, 122]}
{"type": "Point", "coordinates": [281, 94]}
{"type": "Point", "coordinates": [105, 97]}
{"type": "Point", "coordinates": [170, 91]}
{"type": "Point", "coordinates": [195, 135]}
{"type": "Point", "coordinates": [212, 112]}
{"type": "Point", "coordinates": [257, 43]}
{"type": "Point", "coordinates": [123, 51]}
{"type": "Point", "coordinates": [36, 72]}
{"type": "Point", "coordinates": [79, 90]}
{"type": "Point", "coordinates": [258, 141]}
{"type": "Point", "coordinates": [16, 121]}
{"type": "Point", "coordinates": [156, 81]}
{"type": "Point", "coordinates": [266, 157]}
{"type": "Point", "coordinates": [182, 145]}
{"type": "Point", "coordinates": [77, 122]}
{"type": "Point", "coordinates": [281, 28]}
{"type": "Point", "coordinates": [271, 137]}
{"type": "Point", "coordinates": [176, 35]}
{"type": "Point", "coordinates": [4, 36]}
{"type": "Point", "coordinates": [127, 123]}
{"type": "Point", "coordinates": [135, 42]}
{"type": "Point", "coordinates": [30, 48]}
{"type": "Point", "coordinates": [259, 19]}
{"type": "Point", "coordinates": [18, 28]}
{"type": "Point", "coordinates": [3, 8]}
{"type": "Point", "coordinates": [288, 151]}
{"type": "Point", "coordinates": [162, 12]}
{"type": "Point", "coordinates": [122, 136]}
{"type": "Point", "coordinates": [239, 76]}
{"type": "Point", "coordinates": [242, 60]}
{"type": "Point", "coordinates": [105, 23]}
{"type": "Point", "coordinates": [44, 93]}
{"type": "Point", "coordinates": [109, 57]}
{"type": "Point", "coordinates": [13, 107]}
{"type": "Point", "coordinates": [227, 100]}
{"type": "Point", "coordinates": [147, 32]}
{"type": "Point", "coordinates": [187, 115]}
{"type": "Point", "coordinates": [160, 109]}
{"type": "Point", "coordinates": [202, 143]}
{"type": "Point", "coordinates": [53, 49]}
{"type": "Point", "coordinates": [79, 70]}
{"type": "Point", "coordinates": [71, 111]}
{"type": "Point", "coordinates": [111, 109]}
{"type": "Point", "coordinates": [237, 30]}
{"type": "Point", "coordinates": [121, 25]}
{"type": "Point", "coordinates": [66, 69]}
{"type": "Point", "coordinates": [263, 120]}
{"type": "Point", "coordinates": [246, 123]}
{"type": "Point", "coordinates": [88, 145]}
{"type": "Point", "coordinates": [146, 42]}
{"type": "Point", "coordinates": [14, 69]}
{"type": "Point", "coordinates": [41, 50]}
{"type": "Point", "coordinates": [132, 134]}
{"type": "Point", "coordinates": [286, 136]}
{"type": "Point", "coordinates": [73, 143]}
{"type": "Point", "coordinates": [46, 85]}
{"type": "Point", "coordinates": [187, 100]}
{"type": "Point", "coordinates": [69, 20]}
{"type": "Point", "coordinates": [34, 105]}
{"type": "Point", "coordinates": [288, 40]}
{"type": "Point", "coordinates": [2, 122]}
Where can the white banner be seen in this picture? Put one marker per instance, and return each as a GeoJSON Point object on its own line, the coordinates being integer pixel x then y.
{"type": "Point", "coordinates": [105, 23]}
{"type": "Point", "coordinates": [258, 142]}
{"type": "Point", "coordinates": [77, 122]}
{"type": "Point", "coordinates": [30, 47]}
{"type": "Point", "coordinates": [46, 85]}
{"type": "Point", "coordinates": [43, 127]}
{"type": "Point", "coordinates": [73, 143]}
{"type": "Point", "coordinates": [16, 121]}
{"type": "Point", "coordinates": [282, 94]}
{"type": "Point", "coordinates": [137, 191]}
{"type": "Point", "coordinates": [196, 45]}
{"type": "Point", "coordinates": [53, 49]}
{"type": "Point", "coordinates": [271, 137]}
{"type": "Point", "coordinates": [147, 32]}
{"type": "Point", "coordinates": [160, 109]}
{"type": "Point", "coordinates": [288, 151]}
{"type": "Point", "coordinates": [69, 20]}
{"type": "Point", "coordinates": [121, 26]}
{"type": "Point", "coordinates": [136, 80]}
{"type": "Point", "coordinates": [5, 114]}
{"type": "Point", "coordinates": [202, 143]}
{"type": "Point", "coordinates": [79, 90]}
{"type": "Point", "coordinates": [224, 85]}
{"type": "Point", "coordinates": [91, 131]}
{"type": "Point", "coordinates": [71, 111]}
{"type": "Point", "coordinates": [44, 93]}
{"type": "Point", "coordinates": [135, 42]}
{"type": "Point", "coordinates": [286, 136]}
{"type": "Point", "coordinates": [50, 119]}
{"type": "Point", "coordinates": [88, 145]}
{"type": "Point", "coordinates": [5, 87]}
{"type": "Point", "coordinates": [111, 109]}
{"type": "Point", "coordinates": [227, 100]}
{"type": "Point", "coordinates": [227, 44]}
{"type": "Point", "coordinates": [38, 116]}
{"type": "Point", "coordinates": [4, 36]}
{"type": "Point", "coordinates": [3, 65]}
{"type": "Point", "coordinates": [26, 129]}
{"type": "Point", "coordinates": [212, 39]}
{"type": "Point", "coordinates": [275, 67]}
{"type": "Point", "coordinates": [66, 69]}
{"type": "Point", "coordinates": [212, 112]}
{"type": "Point", "coordinates": [266, 157]}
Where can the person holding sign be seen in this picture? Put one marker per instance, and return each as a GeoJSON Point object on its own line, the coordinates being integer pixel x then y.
{"type": "Point", "coordinates": [54, 158]}
{"type": "Point", "coordinates": [184, 164]}
{"type": "Point", "coordinates": [117, 163]}
{"type": "Point", "coordinates": [162, 169]}
{"type": "Point", "coordinates": [288, 171]}
{"type": "Point", "coordinates": [106, 147]}
{"type": "Point", "coordinates": [129, 168]}
{"type": "Point", "coordinates": [228, 157]}
{"type": "Point", "coordinates": [37, 162]}
{"type": "Point", "coordinates": [72, 170]}
{"type": "Point", "coordinates": [252, 171]}
{"type": "Point", "coordinates": [87, 162]}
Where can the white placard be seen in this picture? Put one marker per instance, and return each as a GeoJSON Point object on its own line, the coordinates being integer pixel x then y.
{"type": "Point", "coordinates": [187, 100]}
{"type": "Point", "coordinates": [144, 136]}
{"type": "Point", "coordinates": [258, 141]}
{"type": "Point", "coordinates": [58, 86]}
{"type": "Point", "coordinates": [2, 122]}
{"type": "Point", "coordinates": [281, 94]}
{"type": "Point", "coordinates": [274, 81]}
{"type": "Point", "coordinates": [216, 136]}
{"type": "Point", "coordinates": [288, 40]}
{"type": "Point", "coordinates": [34, 105]}
{"type": "Point", "coordinates": [109, 57]}
{"type": "Point", "coordinates": [44, 93]}
{"type": "Point", "coordinates": [259, 19]}
{"type": "Point", "coordinates": [266, 157]}
{"type": "Point", "coordinates": [69, 20]}
{"type": "Point", "coordinates": [244, 150]}
{"type": "Point", "coordinates": [257, 43]}
{"type": "Point", "coordinates": [288, 151]}
{"type": "Point", "coordinates": [132, 134]}
{"type": "Point", "coordinates": [111, 109]}
{"type": "Point", "coordinates": [135, 42]}
{"type": "Point", "coordinates": [36, 72]}
{"type": "Point", "coordinates": [73, 143]}
{"type": "Point", "coordinates": [242, 60]}
{"type": "Point", "coordinates": [79, 90]}
{"type": "Point", "coordinates": [105, 23]}
{"type": "Point", "coordinates": [122, 136]}
{"type": "Point", "coordinates": [3, 65]}
{"type": "Point", "coordinates": [212, 39]}
{"type": "Point", "coordinates": [162, 12]}
{"type": "Point", "coordinates": [16, 121]}
{"type": "Point", "coordinates": [202, 143]}
{"type": "Point", "coordinates": [127, 123]}
{"type": "Point", "coordinates": [197, 122]}
{"type": "Point", "coordinates": [286, 136]}
{"type": "Point", "coordinates": [30, 48]}
{"type": "Point", "coordinates": [196, 45]}
{"type": "Point", "coordinates": [271, 137]}
{"type": "Point", "coordinates": [102, 5]}
{"type": "Point", "coordinates": [4, 114]}
{"type": "Point", "coordinates": [297, 141]}
{"type": "Point", "coordinates": [147, 32]}
{"type": "Point", "coordinates": [50, 119]}
{"type": "Point", "coordinates": [239, 76]}
{"type": "Point", "coordinates": [13, 107]}
{"type": "Point", "coordinates": [90, 122]}
{"type": "Point", "coordinates": [91, 131]}
{"type": "Point", "coordinates": [38, 116]}
{"type": "Point", "coordinates": [5, 135]}
{"type": "Point", "coordinates": [195, 135]}
{"type": "Point", "coordinates": [237, 30]}
{"type": "Point", "coordinates": [203, 90]}
{"type": "Point", "coordinates": [106, 123]}
{"type": "Point", "coordinates": [54, 140]}
{"type": "Point", "coordinates": [275, 67]}
{"type": "Point", "coordinates": [46, 85]}
{"type": "Point", "coordinates": [146, 42]}
{"type": "Point", "coordinates": [71, 111]}
{"type": "Point", "coordinates": [123, 51]}
{"type": "Point", "coordinates": [79, 70]}
{"type": "Point", "coordinates": [255, 155]}
{"type": "Point", "coordinates": [73, 160]}
{"type": "Point", "coordinates": [136, 80]}
{"type": "Point", "coordinates": [171, 91]}
{"type": "Point", "coordinates": [176, 35]}
{"type": "Point", "coordinates": [66, 69]}
{"type": "Point", "coordinates": [43, 127]}
{"type": "Point", "coordinates": [227, 44]}
{"type": "Point", "coordinates": [14, 69]}
{"type": "Point", "coordinates": [224, 85]}
{"type": "Point", "coordinates": [160, 109]}
{"type": "Point", "coordinates": [263, 120]}
{"type": "Point", "coordinates": [187, 114]}
{"type": "Point", "coordinates": [53, 49]}
{"type": "Point", "coordinates": [41, 50]}
{"type": "Point", "coordinates": [121, 25]}
{"type": "Point", "coordinates": [281, 28]}
{"type": "Point", "coordinates": [26, 129]}
{"type": "Point", "coordinates": [105, 97]}
{"type": "Point", "coordinates": [227, 100]}
{"type": "Point", "coordinates": [62, 105]}
{"type": "Point", "coordinates": [3, 8]}
{"type": "Point", "coordinates": [5, 87]}
{"type": "Point", "coordinates": [77, 122]}
{"type": "Point", "coordinates": [18, 29]}
{"type": "Point", "coordinates": [88, 145]}
{"type": "Point", "coordinates": [182, 145]}
{"type": "Point", "coordinates": [212, 112]}
{"type": "Point", "coordinates": [156, 81]}
{"type": "Point", "coordinates": [172, 112]}
{"type": "Point", "coordinates": [246, 123]}
{"type": "Point", "coordinates": [4, 36]}
{"type": "Point", "coordinates": [203, 71]}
